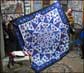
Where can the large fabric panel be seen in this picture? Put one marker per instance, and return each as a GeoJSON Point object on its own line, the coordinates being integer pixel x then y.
{"type": "Point", "coordinates": [44, 34]}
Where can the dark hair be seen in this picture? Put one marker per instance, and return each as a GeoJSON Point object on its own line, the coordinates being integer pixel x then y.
{"type": "Point", "coordinates": [10, 26]}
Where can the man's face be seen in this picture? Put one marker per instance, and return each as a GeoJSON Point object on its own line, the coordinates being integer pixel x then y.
{"type": "Point", "coordinates": [69, 11]}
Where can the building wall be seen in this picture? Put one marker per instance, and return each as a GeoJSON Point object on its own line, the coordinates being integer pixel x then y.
{"type": "Point", "coordinates": [83, 13]}
{"type": "Point", "coordinates": [77, 12]}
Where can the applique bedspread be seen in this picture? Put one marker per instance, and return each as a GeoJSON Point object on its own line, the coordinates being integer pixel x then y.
{"type": "Point", "coordinates": [44, 33]}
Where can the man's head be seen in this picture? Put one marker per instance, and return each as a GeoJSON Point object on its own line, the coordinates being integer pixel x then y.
{"type": "Point", "coordinates": [69, 11]}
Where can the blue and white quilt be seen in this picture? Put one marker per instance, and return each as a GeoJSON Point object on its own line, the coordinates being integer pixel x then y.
{"type": "Point", "coordinates": [44, 33]}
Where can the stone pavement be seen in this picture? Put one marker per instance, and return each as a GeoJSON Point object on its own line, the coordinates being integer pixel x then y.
{"type": "Point", "coordinates": [71, 63]}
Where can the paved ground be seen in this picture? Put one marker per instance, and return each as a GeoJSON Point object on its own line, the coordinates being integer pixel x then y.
{"type": "Point", "coordinates": [70, 63]}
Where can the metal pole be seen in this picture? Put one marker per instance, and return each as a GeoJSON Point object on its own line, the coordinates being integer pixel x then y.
{"type": "Point", "coordinates": [1, 67]}
{"type": "Point", "coordinates": [2, 53]}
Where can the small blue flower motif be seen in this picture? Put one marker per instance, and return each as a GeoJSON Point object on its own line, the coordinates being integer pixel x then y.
{"type": "Point", "coordinates": [42, 18]}
{"type": "Point", "coordinates": [48, 18]}
{"type": "Point", "coordinates": [35, 20]}
{"type": "Point", "coordinates": [21, 21]}
{"type": "Point", "coordinates": [24, 19]}
{"type": "Point", "coordinates": [38, 15]}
